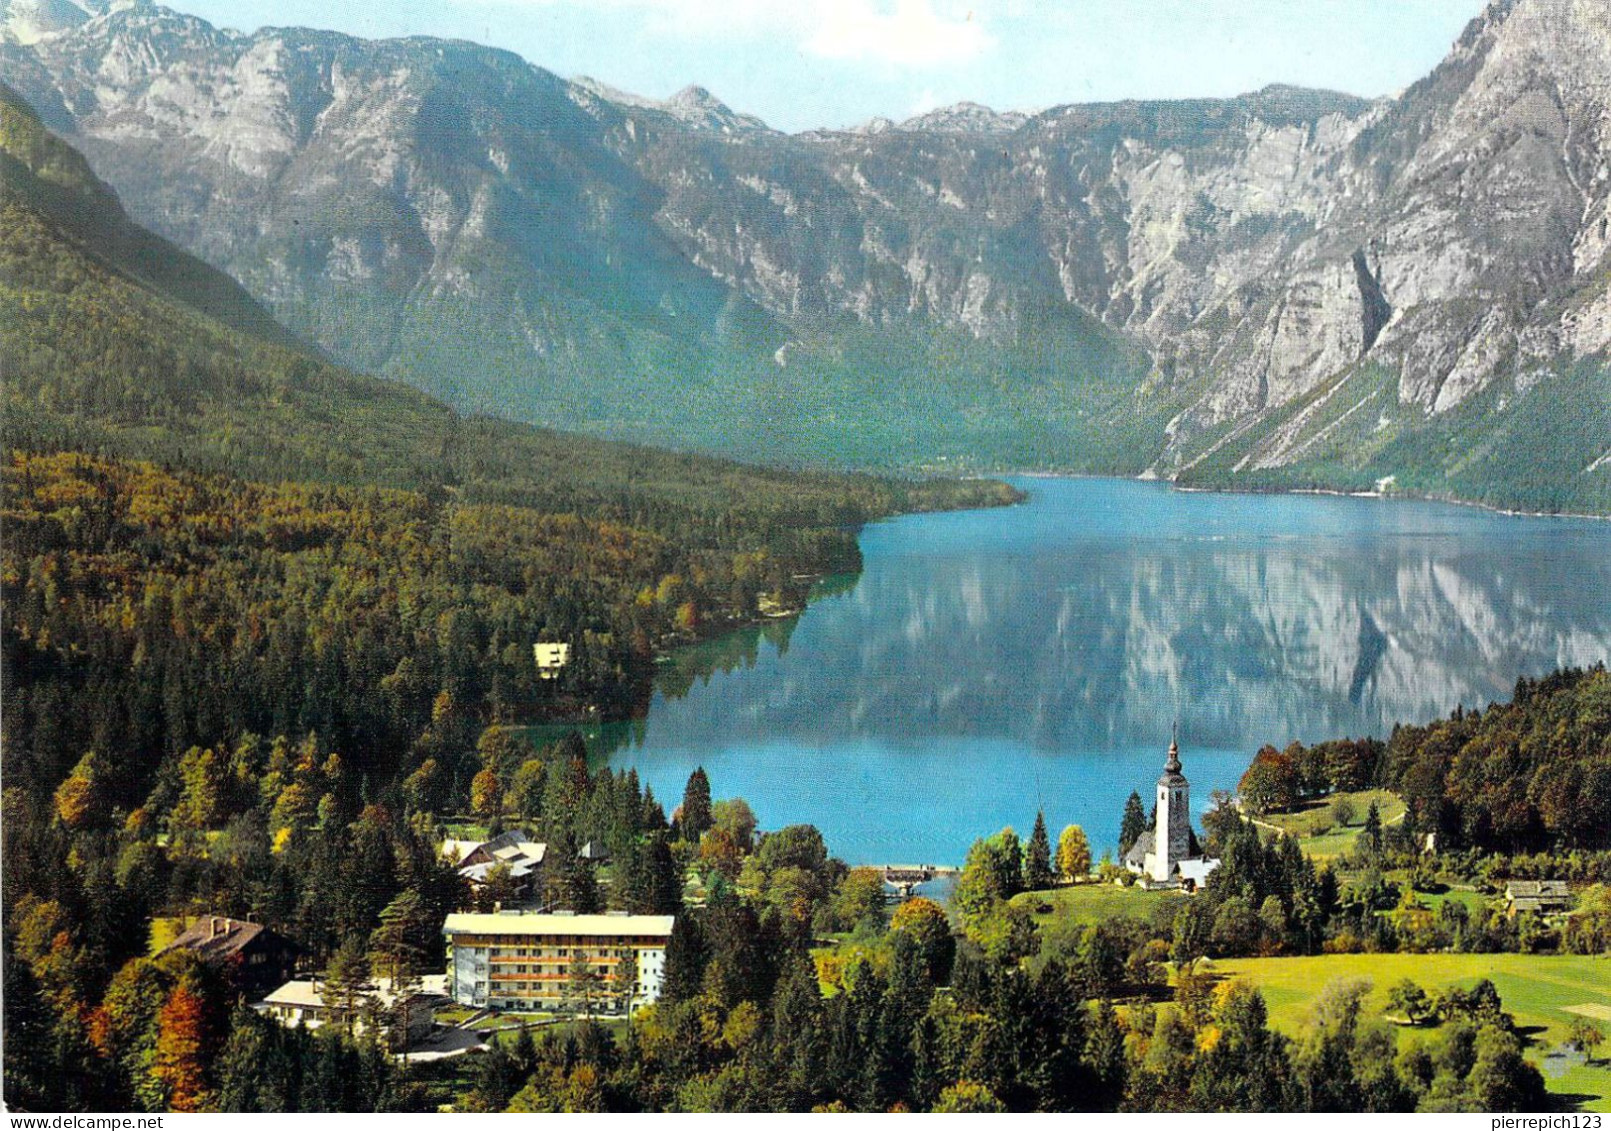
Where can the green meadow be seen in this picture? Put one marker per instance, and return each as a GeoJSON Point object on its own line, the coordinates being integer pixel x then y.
{"type": "Point", "coordinates": [1543, 991]}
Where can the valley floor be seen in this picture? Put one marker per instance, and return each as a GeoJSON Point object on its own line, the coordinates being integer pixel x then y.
{"type": "Point", "coordinates": [1544, 992]}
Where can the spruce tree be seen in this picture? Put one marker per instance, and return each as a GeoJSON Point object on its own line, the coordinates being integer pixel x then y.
{"type": "Point", "coordinates": [686, 956]}
{"type": "Point", "coordinates": [1371, 834]}
{"type": "Point", "coordinates": [1133, 824]}
{"type": "Point", "coordinates": [243, 1063]}
{"type": "Point", "coordinates": [665, 885]}
{"type": "Point", "coordinates": [1104, 1057]}
{"type": "Point", "coordinates": [1038, 857]}
{"type": "Point", "coordinates": [695, 815]}
{"type": "Point", "coordinates": [581, 886]}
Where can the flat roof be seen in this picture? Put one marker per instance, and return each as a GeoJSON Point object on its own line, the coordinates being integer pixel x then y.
{"type": "Point", "coordinates": [305, 992]}
{"type": "Point", "coordinates": [464, 923]}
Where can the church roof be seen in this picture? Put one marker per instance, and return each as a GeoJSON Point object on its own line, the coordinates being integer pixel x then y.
{"type": "Point", "coordinates": [1137, 853]}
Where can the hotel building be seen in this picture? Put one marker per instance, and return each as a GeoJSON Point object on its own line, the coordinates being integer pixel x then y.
{"type": "Point", "coordinates": [530, 962]}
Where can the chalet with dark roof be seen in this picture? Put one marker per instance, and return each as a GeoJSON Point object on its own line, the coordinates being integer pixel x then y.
{"type": "Point", "coordinates": [254, 958]}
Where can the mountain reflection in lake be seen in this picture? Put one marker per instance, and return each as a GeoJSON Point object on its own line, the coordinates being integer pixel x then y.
{"type": "Point", "coordinates": [991, 662]}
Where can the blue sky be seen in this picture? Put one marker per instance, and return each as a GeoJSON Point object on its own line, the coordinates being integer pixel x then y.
{"type": "Point", "coordinates": [800, 64]}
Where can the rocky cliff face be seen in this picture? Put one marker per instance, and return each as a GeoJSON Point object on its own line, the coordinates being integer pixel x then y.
{"type": "Point", "coordinates": [1465, 238]}
{"type": "Point", "coordinates": [452, 215]}
{"type": "Point", "coordinates": [28, 21]}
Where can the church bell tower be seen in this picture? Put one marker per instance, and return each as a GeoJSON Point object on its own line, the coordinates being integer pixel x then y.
{"type": "Point", "coordinates": [1172, 838]}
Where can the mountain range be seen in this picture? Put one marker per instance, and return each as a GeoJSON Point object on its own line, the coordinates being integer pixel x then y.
{"type": "Point", "coordinates": [1291, 288]}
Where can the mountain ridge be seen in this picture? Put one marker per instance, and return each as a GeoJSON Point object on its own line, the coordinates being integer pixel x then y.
{"type": "Point", "coordinates": [627, 265]}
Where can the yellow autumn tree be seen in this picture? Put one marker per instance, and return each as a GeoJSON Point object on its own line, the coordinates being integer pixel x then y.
{"type": "Point", "coordinates": [81, 800]}
{"type": "Point", "coordinates": [1074, 854]}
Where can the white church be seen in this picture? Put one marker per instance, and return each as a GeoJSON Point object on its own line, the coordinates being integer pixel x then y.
{"type": "Point", "coordinates": [1162, 855]}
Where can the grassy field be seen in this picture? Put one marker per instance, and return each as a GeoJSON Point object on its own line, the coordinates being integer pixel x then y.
{"type": "Point", "coordinates": [1474, 902]}
{"type": "Point", "coordinates": [1315, 823]}
{"type": "Point", "coordinates": [1540, 990]}
{"type": "Point", "coordinates": [1075, 908]}
{"type": "Point", "coordinates": [164, 930]}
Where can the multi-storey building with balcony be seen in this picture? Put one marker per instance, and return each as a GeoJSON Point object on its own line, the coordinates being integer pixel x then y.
{"type": "Point", "coordinates": [580, 963]}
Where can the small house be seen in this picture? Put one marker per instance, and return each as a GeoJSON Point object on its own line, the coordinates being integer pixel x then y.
{"type": "Point", "coordinates": [550, 659]}
{"type": "Point", "coordinates": [1544, 897]}
{"type": "Point", "coordinates": [301, 1001]}
{"type": "Point", "coordinates": [515, 850]}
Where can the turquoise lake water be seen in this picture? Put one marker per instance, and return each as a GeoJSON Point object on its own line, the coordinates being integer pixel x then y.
{"type": "Point", "coordinates": [989, 663]}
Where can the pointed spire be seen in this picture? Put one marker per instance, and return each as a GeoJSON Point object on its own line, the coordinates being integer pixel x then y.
{"type": "Point", "coordinates": [1173, 765]}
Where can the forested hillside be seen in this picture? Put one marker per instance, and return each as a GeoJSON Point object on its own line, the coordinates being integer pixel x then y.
{"type": "Point", "coordinates": [489, 535]}
{"type": "Point", "coordinates": [1530, 775]}
{"type": "Point", "coordinates": [1525, 776]}
{"type": "Point", "coordinates": [262, 616]}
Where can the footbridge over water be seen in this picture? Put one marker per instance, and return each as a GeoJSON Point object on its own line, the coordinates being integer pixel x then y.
{"type": "Point", "coordinates": [904, 878]}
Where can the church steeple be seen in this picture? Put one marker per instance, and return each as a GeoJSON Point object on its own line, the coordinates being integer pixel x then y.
{"type": "Point", "coordinates": [1172, 766]}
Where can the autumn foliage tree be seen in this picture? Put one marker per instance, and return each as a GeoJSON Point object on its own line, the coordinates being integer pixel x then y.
{"type": "Point", "coordinates": [182, 1048]}
{"type": "Point", "coordinates": [486, 794]}
{"type": "Point", "coordinates": [1074, 854]}
{"type": "Point", "coordinates": [82, 799]}
{"type": "Point", "coordinates": [1272, 783]}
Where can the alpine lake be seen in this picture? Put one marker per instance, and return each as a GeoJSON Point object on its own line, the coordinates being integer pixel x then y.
{"type": "Point", "coordinates": [987, 664]}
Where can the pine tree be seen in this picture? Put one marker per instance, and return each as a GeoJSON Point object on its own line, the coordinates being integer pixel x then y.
{"type": "Point", "coordinates": [397, 956]}
{"type": "Point", "coordinates": [346, 980]}
{"type": "Point", "coordinates": [1038, 857]}
{"type": "Point", "coordinates": [1133, 824]}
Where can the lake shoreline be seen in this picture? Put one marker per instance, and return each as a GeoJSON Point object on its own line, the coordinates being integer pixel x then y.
{"type": "Point", "coordinates": [997, 662]}
{"type": "Point", "coordinates": [1333, 492]}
